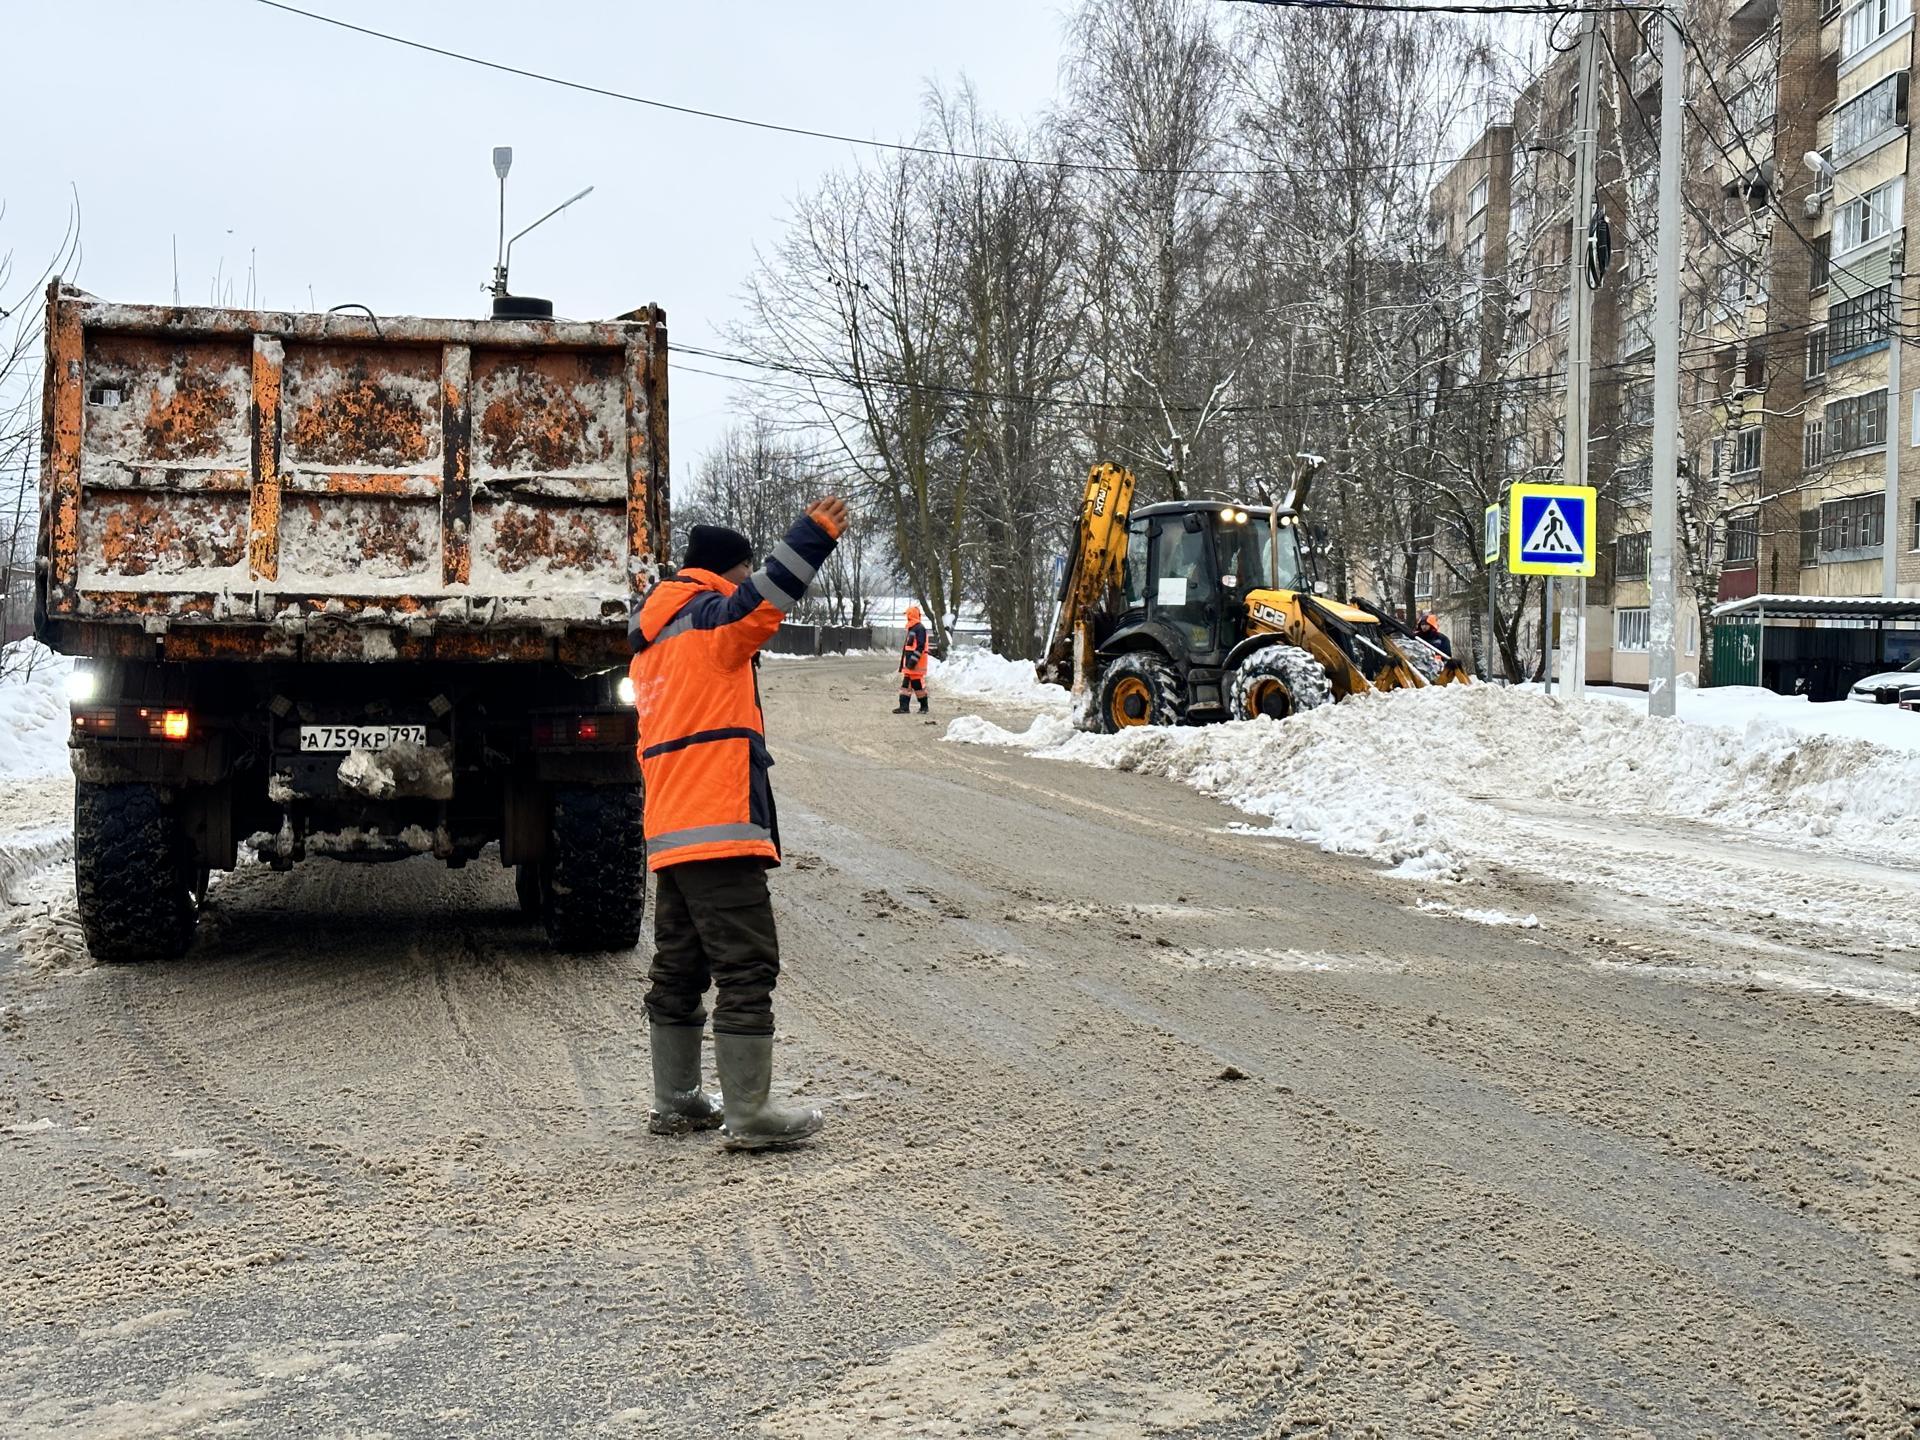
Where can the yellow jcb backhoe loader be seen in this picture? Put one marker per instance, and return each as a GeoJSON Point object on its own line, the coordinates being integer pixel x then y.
{"type": "Point", "coordinates": [1200, 610]}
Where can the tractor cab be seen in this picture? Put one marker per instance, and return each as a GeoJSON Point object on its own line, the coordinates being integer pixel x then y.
{"type": "Point", "coordinates": [1190, 567]}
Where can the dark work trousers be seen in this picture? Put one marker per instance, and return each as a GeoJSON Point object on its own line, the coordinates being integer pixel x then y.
{"type": "Point", "coordinates": [713, 924]}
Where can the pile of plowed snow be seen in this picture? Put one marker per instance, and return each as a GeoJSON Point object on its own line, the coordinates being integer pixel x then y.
{"type": "Point", "coordinates": [34, 723]}
{"type": "Point", "coordinates": [979, 674]}
{"type": "Point", "coordinates": [1409, 777]}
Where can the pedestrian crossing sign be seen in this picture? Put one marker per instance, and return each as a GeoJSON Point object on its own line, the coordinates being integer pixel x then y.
{"type": "Point", "coordinates": [1551, 530]}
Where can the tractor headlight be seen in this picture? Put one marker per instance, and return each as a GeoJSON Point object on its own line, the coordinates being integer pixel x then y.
{"type": "Point", "coordinates": [81, 685]}
{"type": "Point", "coordinates": [1227, 514]}
{"type": "Point", "coordinates": [624, 690]}
{"type": "Point", "coordinates": [1239, 517]}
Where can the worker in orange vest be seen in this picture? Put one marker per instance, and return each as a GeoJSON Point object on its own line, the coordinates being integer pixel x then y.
{"type": "Point", "coordinates": [913, 662]}
{"type": "Point", "coordinates": [710, 826]}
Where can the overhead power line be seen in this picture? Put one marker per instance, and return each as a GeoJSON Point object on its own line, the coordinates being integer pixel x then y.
{"type": "Point", "coordinates": [1544, 381]}
{"type": "Point", "coordinates": [895, 146]}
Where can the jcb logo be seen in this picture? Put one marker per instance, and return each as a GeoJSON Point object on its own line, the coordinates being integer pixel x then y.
{"type": "Point", "coordinates": [1267, 615]}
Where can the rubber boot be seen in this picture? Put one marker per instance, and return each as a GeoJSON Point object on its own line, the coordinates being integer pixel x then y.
{"type": "Point", "coordinates": [923, 704]}
{"type": "Point", "coordinates": [746, 1073]}
{"type": "Point", "coordinates": [903, 704]}
{"type": "Point", "coordinates": [679, 1104]}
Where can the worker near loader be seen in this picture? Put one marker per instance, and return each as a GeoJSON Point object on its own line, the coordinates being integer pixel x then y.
{"type": "Point", "coordinates": [710, 825]}
{"type": "Point", "coordinates": [913, 661]}
{"type": "Point", "coordinates": [1429, 630]}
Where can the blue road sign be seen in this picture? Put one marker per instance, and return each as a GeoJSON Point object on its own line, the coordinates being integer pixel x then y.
{"type": "Point", "coordinates": [1552, 530]}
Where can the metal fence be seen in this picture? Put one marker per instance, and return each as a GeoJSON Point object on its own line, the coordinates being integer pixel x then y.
{"type": "Point", "coordinates": [794, 639]}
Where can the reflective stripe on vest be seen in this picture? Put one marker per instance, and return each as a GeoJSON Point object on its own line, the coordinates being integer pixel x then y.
{"type": "Point", "coordinates": [702, 737]}
{"type": "Point", "coordinates": [659, 845]}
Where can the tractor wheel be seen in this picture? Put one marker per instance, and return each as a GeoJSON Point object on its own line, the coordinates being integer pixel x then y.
{"type": "Point", "coordinates": [1278, 681]}
{"type": "Point", "coordinates": [1136, 689]}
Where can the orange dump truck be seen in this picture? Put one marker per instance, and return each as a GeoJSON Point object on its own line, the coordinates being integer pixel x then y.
{"type": "Point", "coordinates": [353, 587]}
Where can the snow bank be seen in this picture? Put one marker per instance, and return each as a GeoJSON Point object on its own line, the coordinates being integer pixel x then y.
{"type": "Point", "coordinates": [1738, 706]}
{"type": "Point", "coordinates": [33, 710]}
{"type": "Point", "coordinates": [1411, 778]}
{"type": "Point", "coordinates": [983, 675]}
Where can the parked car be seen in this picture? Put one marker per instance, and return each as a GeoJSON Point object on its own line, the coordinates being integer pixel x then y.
{"type": "Point", "coordinates": [1885, 688]}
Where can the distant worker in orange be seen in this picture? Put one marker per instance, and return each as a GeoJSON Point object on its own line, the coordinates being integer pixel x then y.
{"type": "Point", "coordinates": [711, 831]}
{"type": "Point", "coordinates": [913, 662]}
{"type": "Point", "coordinates": [1429, 630]}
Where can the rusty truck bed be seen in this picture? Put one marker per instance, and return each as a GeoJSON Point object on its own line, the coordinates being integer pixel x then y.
{"type": "Point", "coordinates": [251, 484]}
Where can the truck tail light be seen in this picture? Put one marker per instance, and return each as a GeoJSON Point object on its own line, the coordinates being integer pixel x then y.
{"type": "Point", "coordinates": [596, 729]}
{"type": "Point", "coordinates": [133, 722]}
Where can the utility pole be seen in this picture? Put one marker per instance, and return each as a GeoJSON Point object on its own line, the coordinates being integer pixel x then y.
{"type": "Point", "coordinates": [1586, 141]}
{"type": "Point", "coordinates": [1662, 661]}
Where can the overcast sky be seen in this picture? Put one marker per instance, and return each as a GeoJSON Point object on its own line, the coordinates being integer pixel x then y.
{"type": "Point", "coordinates": [349, 169]}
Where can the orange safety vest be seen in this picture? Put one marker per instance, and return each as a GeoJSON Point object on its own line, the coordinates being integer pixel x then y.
{"type": "Point", "coordinates": [913, 659]}
{"type": "Point", "coordinates": [703, 750]}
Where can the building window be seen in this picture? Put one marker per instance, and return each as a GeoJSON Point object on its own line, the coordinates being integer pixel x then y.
{"type": "Point", "coordinates": [1640, 402]}
{"type": "Point", "coordinates": [1746, 451]}
{"type": "Point", "coordinates": [1866, 218]}
{"type": "Point", "coordinates": [1858, 422]}
{"type": "Point", "coordinates": [1630, 556]}
{"type": "Point", "coordinates": [1814, 443]}
{"type": "Point", "coordinates": [1819, 264]}
{"type": "Point", "coordinates": [1743, 540]}
{"type": "Point", "coordinates": [1634, 482]}
{"type": "Point", "coordinates": [1809, 538]}
{"type": "Point", "coordinates": [1869, 118]}
{"type": "Point", "coordinates": [1817, 355]}
{"type": "Point", "coordinates": [1852, 529]}
{"type": "Point", "coordinates": [1477, 197]}
{"type": "Point", "coordinates": [1632, 629]}
{"type": "Point", "coordinates": [1867, 22]}
{"type": "Point", "coordinates": [1916, 526]}
{"type": "Point", "coordinates": [1860, 324]}
{"type": "Point", "coordinates": [1423, 570]}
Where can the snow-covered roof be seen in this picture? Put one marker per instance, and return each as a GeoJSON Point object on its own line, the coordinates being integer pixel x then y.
{"type": "Point", "coordinates": [1823, 607]}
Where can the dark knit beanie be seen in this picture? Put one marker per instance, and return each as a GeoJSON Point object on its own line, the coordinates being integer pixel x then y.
{"type": "Point", "coordinates": [716, 548]}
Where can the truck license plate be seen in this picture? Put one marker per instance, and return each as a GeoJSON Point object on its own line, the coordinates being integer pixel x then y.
{"type": "Point", "coordinates": [322, 738]}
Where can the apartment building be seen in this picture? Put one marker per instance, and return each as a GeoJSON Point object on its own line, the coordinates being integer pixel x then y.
{"type": "Point", "coordinates": [1792, 294]}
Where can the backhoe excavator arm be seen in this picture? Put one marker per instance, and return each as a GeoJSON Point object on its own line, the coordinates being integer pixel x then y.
{"type": "Point", "coordinates": [1095, 560]}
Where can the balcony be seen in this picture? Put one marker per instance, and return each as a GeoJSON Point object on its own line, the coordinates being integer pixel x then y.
{"type": "Point", "coordinates": [1747, 16]}
{"type": "Point", "coordinates": [1643, 74]}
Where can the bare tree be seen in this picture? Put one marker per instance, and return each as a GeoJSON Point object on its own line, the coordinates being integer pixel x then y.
{"type": "Point", "coordinates": [22, 337]}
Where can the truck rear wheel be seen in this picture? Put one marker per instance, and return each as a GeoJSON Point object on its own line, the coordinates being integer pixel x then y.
{"type": "Point", "coordinates": [593, 882]}
{"type": "Point", "coordinates": [526, 889]}
{"type": "Point", "coordinates": [1138, 688]}
{"type": "Point", "coordinates": [1279, 681]}
{"type": "Point", "coordinates": [135, 872]}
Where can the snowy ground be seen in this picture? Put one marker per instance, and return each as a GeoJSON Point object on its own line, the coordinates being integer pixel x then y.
{"type": "Point", "coordinates": [1791, 824]}
{"type": "Point", "coordinates": [1135, 1125]}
